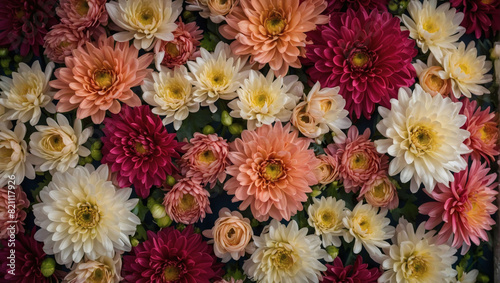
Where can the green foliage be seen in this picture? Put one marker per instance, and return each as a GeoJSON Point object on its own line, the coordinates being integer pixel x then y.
{"type": "Point", "coordinates": [194, 123]}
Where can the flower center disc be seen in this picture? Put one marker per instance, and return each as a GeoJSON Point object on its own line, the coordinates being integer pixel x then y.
{"type": "Point", "coordinates": [87, 215]}
{"type": "Point", "coordinates": [56, 142]}
{"type": "Point", "coordinates": [326, 218]}
{"type": "Point", "coordinates": [104, 78]}
{"type": "Point", "coordinates": [435, 82]}
{"type": "Point", "coordinates": [360, 59]}
{"type": "Point", "coordinates": [172, 49]}
{"type": "Point", "coordinates": [283, 259]}
{"type": "Point", "coordinates": [82, 7]}
{"type": "Point", "coordinates": [273, 171]}
{"type": "Point", "coordinates": [207, 156]}
{"type": "Point", "coordinates": [275, 23]}
{"type": "Point", "coordinates": [422, 139]}
{"type": "Point", "coordinates": [146, 16]}
{"type": "Point", "coordinates": [187, 202]}
{"type": "Point", "coordinates": [416, 267]}
{"type": "Point", "coordinates": [171, 273]}
{"type": "Point", "coordinates": [430, 26]}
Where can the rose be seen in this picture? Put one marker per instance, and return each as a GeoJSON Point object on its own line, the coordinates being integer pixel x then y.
{"type": "Point", "coordinates": [220, 7]}
{"type": "Point", "coordinates": [304, 122]}
{"type": "Point", "coordinates": [327, 171]}
{"type": "Point", "coordinates": [432, 83]}
{"type": "Point", "coordinates": [379, 191]}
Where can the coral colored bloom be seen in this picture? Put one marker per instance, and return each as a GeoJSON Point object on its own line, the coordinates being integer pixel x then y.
{"type": "Point", "coordinates": [187, 202]}
{"type": "Point", "coordinates": [358, 272]}
{"type": "Point", "coordinates": [481, 16]}
{"type": "Point", "coordinates": [273, 31]}
{"type": "Point", "coordinates": [328, 169]}
{"type": "Point", "coordinates": [103, 269]}
{"type": "Point", "coordinates": [368, 5]}
{"type": "Point", "coordinates": [379, 191]}
{"type": "Point", "coordinates": [429, 79]}
{"type": "Point", "coordinates": [139, 149]}
{"type": "Point", "coordinates": [13, 201]}
{"type": "Point", "coordinates": [84, 15]}
{"type": "Point", "coordinates": [272, 171]}
{"type": "Point", "coordinates": [61, 40]}
{"type": "Point", "coordinates": [367, 55]}
{"type": "Point", "coordinates": [97, 76]}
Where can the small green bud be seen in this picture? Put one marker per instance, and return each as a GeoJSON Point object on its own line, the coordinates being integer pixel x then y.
{"type": "Point", "coordinates": [180, 226]}
{"type": "Point", "coordinates": [151, 202]}
{"type": "Point", "coordinates": [226, 119]}
{"type": "Point", "coordinates": [134, 242]}
{"type": "Point", "coordinates": [235, 129]}
{"type": "Point", "coordinates": [482, 278]}
{"type": "Point", "coordinates": [333, 251]}
{"type": "Point", "coordinates": [315, 193]}
{"type": "Point", "coordinates": [197, 230]}
{"type": "Point", "coordinates": [48, 266]}
{"type": "Point", "coordinates": [393, 7]}
{"type": "Point", "coordinates": [158, 211]}
{"type": "Point", "coordinates": [18, 58]}
{"type": "Point", "coordinates": [96, 154]}
{"type": "Point", "coordinates": [171, 181]}
{"type": "Point", "coordinates": [88, 159]}
{"type": "Point", "coordinates": [207, 130]}
{"type": "Point", "coordinates": [164, 221]}
{"type": "Point", "coordinates": [188, 16]}
{"type": "Point", "coordinates": [4, 52]}
{"type": "Point", "coordinates": [81, 162]}
{"type": "Point", "coordinates": [254, 223]}
{"type": "Point", "coordinates": [96, 145]}
{"type": "Point", "coordinates": [7, 72]}
{"type": "Point", "coordinates": [5, 63]}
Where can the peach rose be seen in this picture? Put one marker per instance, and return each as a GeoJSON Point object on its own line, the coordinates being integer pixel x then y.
{"type": "Point", "coordinates": [327, 171]}
{"type": "Point", "coordinates": [304, 122]}
{"type": "Point", "coordinates": [432, 83]}
{"type": "Point", "coordinates": [220, 7]}
{"type": "Point", "coordinates": [379, 191]}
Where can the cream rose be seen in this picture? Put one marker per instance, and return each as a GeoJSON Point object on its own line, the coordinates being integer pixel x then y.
{"type": "Point", "coordinates": [304, 122]}
{"type": "Point", "coordinates": [432, 83]}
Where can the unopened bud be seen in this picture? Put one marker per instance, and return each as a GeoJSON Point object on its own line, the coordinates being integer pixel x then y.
{"type": "Point", "coordinates": [48, 267]}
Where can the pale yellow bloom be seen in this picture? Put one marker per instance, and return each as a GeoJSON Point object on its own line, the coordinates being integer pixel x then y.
{"type": "Point", "coordinates": [325, 216]}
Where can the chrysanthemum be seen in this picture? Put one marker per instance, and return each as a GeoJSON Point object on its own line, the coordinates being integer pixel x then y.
{"type": "Point", "coordinates": [214, 10]}
{"type": "Point", "coordinates": [369, 228]}
{"type": "Point", "coordinates": [273, 31]}
{"type": "Point", "coordinates": [61, 40]}
{"type": "Point", "coordinates": [434, 29]}
{"type": "Point", "coordinates": [416, 256]}
{"type": "Point", "coordinates": [97, 76]}
{"type": "Point", "coordinates": [379, 191]}
{"type": "Point", "coordinates": [58, 146]}
{"type": "Point", "coordinates": [424, 136]}
{"type": "Point", "coordinates": [171, 256]}
{"type": "Point", "coordinates": [466, 70]}
{"type": "Point", "coordinates": [481, 16]}
{"type": "Point", "coordinates": [465, 207]}
{"type": "Point", "coordinates": [171, 94]}
{"type": "Point", "coordinates": [144, 21]}
{"type": "Point", "coordinates": [272, 171]}
{"type": "Point", "coordinates": [217, 75]}
{"type": "Point", "coordinates": [14, 155]}
{"type": "Point", "coordinates": [27, 93]}
{"type": "Point", "coordinates": [265, 99]}
{"type": "Point", "coordinates": [13, 201]}
{"type": "Point", "coordinates": [286, 254]}
{"type": "Point", "coordinates": [81, 213]}
{"type": "Point", "coordinates": [84, 15]}
{"type": "Point", "coordinates": [367, 55]}
{"type": "Point", "coordinates": [358, 272]}
{"type": "Point", "coordinates": [103, 269]}
{"type": "Point", "coordinates": [368, 5]}
{"type": "Point", "coordinates": [325, 216]}
{"type": "Point", "coordinates": [139, 149]}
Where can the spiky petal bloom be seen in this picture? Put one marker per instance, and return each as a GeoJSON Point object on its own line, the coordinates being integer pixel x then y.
{"type": "Point", "coordinates": [424, 136]}
{"type": "Point", "coordinates": [91, 219]}
{"type": "Point", "coordinates": [15, 157]}
{"type": "Point", "coordinates": [138, 148]}
{"type": "Point", "coordinates": [171, 256]}
{"type": "Point", "coordinates": [465, 207]}
{"type": "Point", "coordinates": [325, 216]}
{"type": "Point", "coordinates": [103, 269]}
{"type": "Point", "coordinates": [368, 5]}
{"type": "Point", "coordinates": [286, 254]}
{"type": "Point", "coordinates": [61, 40]}
{"type": "Point", "coordinates": [272, 171]}
{"type": "Point", "coordinates": [13, 201]}
{"type": "Point", "coordinates": [367, 55]}
{"type": "Point", "coordinates": [358, 272]}
{"type": "Point", "coordinates": [273, 31]}
{"type": "Point", "coordinates": [481, 17]}
{"type": "Point", "coordinates": [84, 15]}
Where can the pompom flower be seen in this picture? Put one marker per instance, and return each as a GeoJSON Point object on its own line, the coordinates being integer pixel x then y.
{"type": "Point", "coordinates": [13, 201]}
{"type": "Point", "coordinates": [103, 269]}
{"type": "Point", "coordinates": [325, 216]}
{"type": "Point", "coordinates": [61, 40]}
{"type": "Point", "coordinates": [429, 79]}
{"type": "Point", "coordinates": [464, 208]}
{"type": "Point", "coordinates": [272, 171]}
{"type": "Point", "coordinates": [286, 254]}
{"type": "Point", "coordinates": [481, 17]}
{"type": "Point", "coordinates": [424, 136]}
{"type": "Point", "coordinates": [138, 148]}
{"type": "Point", "coordinates": [85, 16]}
{"type": "Point", "coordinates": [15, 157]}
{"type": "Point", "coordinates": [97, 76]}
{"type": "Point", "coordinates": [214, 10]}
{"type": "Point", "coordinates": [171, 256]}
{"type": "Point", "coordinates": [367, 55]}
{"type": "Point", "coordinates": [379, 191]}
{"type": "Point", "coordinates": [358, 272]}
{"type": "Point", "coordinates": [187, 202]}
{"type": "Point", "coordinates": [273, 31]}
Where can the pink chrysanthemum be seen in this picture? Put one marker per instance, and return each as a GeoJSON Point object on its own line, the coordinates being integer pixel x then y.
{"type": "Point", "coordinates": [465, 208]}
{"type": "Point", "coordinates": [358, 272]}
{"type": "Point", "coordinates": [205, 159]}
{"type": "Point", "coordinates": [368, 5]}
{"type": "Point", "coordinates": [172, 256]}
{"type": "Point", "coordinates": [84, 15]}
{"type": "Point", "coordinates": [99, 75]}
{"type": "Point", "coordinates": [61, 40]}
{"type": "Point", "coordinates": [358, 159]}
{"type": "Point", "coordinates": [483, 130]}
{"type": "Point", "coordinates": [272, 171]}
{"type": "Point", "coordinates": [367, 55]}
{"type": "Point", "coordinates": [273, 31]}
{"type": "Point", "coordinates": [481, 16]}
{"type": "Point", "coordinates": [17, 199]}
{"type": "Point", "coordinates": [24, 23]}
{"type": "Point", "coordinates": [139, 149]}
{"type": "Point", "coordinates": [187, 202]}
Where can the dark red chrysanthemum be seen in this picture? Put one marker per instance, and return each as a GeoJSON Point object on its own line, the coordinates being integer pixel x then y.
{"type": "Point", "coordinates": [172, 256]}
{"type": "Point", "coordinates": [338, 5]}
{"type": "Point", "coordinates": [139, 149]}
{"type": "Point", "coordinates": [480, 16]}
{"type": "Point", "coordinates": [24, 23]}
{"type": "Point", "coordinates": [367, 55]}
{"type": "Point", "coordinates": [357, 273]}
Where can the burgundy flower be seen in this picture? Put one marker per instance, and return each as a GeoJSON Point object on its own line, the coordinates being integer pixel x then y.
{"type": "Point", "coordinates": [481, 16]}
{"type": "Point", "coordinates": [337, 5]}
{"type": "Point", "coordinates": [357, 273]}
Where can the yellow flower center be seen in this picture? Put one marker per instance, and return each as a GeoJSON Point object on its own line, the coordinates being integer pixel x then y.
{"type": "Point", "coordinates": [207, 156]}
{"type": "Point", "coordinates": [359, 59]}
{"type": "Point", "coordinates": [230, 233]}
{"type": "Point", "coordinates": [422, 139]}
{"type": "Point", "coordinates": [487, 2]}
{"type": "Point", "coordinates": [146, 16]}
{"type": "Point", "coordinates": [261, 98]}
{"type": "Point", "coordinates": [435, 82]}
{"type": "Point", "coordinates": [98, 276]}
{"type": "Point", "coordinates": [283, 259]}
{"type": "Point", "coordinates": [139, 148]}
{"type": "Point", "coordinates": [465, 68]}
{"type": "Point", "coordinates": [218, 78]}
{"type": "Point", "coordinates": [487, 132]}
{"type": "Point", "coordinates": [416, 266]}
{"type": "Point", "coordinates": [430, 26]}
{"type": "Point", "coordinates": [327, 219]}
{"type": "Point", "coordinates": [171, 273]}
{"type": "Point", "coordinates": [187, 202]}
{"type": "Point", "coordinates": [20, 14]}
{"type": "Point", "coordinates": [64, 44]}
{"type": "Point", "coordinates": [359, 161]}
{"type": "Point", "coordinates": [175, 91]}
{"type": "Point", "coordinates": [363, 223]}
{"type": "Point", "coordinates": [273, 171]}
{"type": "Point", "coordinates": [87, 215]}
{"type": "Point", "coordinates": [378, 191]}
{"type": "Point", "coordinates": [172, 49]}
{"type": "Point", "coordinates": [104, 78]}
{"type": "Point", "coordinates": [82, 7]}
{"type": "Point", "coordinates": [5, 153]}
{"type": "Point", "coordinates": [326, 105]}
{"type": "Point", "coordinates": [275, 23]}
{"type": "Point", "coordinates": [55, 142]}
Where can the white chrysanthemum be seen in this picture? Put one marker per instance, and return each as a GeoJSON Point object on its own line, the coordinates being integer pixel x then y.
{"type": "Point", "coordinates": [326, 215]}
{"type": "Point", "coordinates": [217, 75]}
{"type": "Point", "coordinates": [496, 55]}
{"type": "Point", "coordinates": [369, 228]}
{"type": "Point", "coordinates": [104, 269]}
{"type": "Point", "coordinates": [424, 136]}
{"type": "Point", "coordinates": [171, 94]}
{"type": "Point", "coordinates": [144, 21]}
{"type": "Point", "coordinates": [14, 156]}
{"type": "Point", "coordinates": [466, 70]}
{"type": "Point", "coordinates": [265, 99]}
{"type": "Point", "coordinates": [286, 254]}
{"type": "Point", "coordinates": [414, 256]}
{"type": "Point", "coordinates": [435, 29]}
{"type": "Point", "coordinates": [465, 277]}
{"type": "Point", "coordinates": [58, 146]}
{"type": "Point", "coordinates": [82, 213]}
{"type": "Point", "coordinates": [27, 93]}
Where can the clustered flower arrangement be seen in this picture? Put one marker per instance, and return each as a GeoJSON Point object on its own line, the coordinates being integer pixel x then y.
{"type": "Point", "coordinates": [248, 141]}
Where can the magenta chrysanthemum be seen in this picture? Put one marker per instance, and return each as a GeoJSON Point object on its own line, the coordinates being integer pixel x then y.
{"type": "Point", "coordinates": [367, 55]}
{"type": "Point", "coordinates": [172, 256]}
{"type": "Point", "coordinates": [481, 16]}
{"type": "Point", "coordinates": [337, 5]}
{"type": "Point", "coordinates": [139, 149]}
{"type": "Point", "coordinates": [358, 272]}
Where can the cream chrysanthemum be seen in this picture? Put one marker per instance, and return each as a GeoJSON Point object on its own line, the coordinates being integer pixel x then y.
{"type": "Point", "coordinates": [82, 213]}
{"type": "Point", "coordinates": [466, 70]}
{"type": "Point", "coordinates": [144, 21]}
{"type": "Point", "coordinates": [27, 93]}
{"type": "Point", "coordinates": [171, 94]}
{"type": "Point", "coordinates": [414, 256]}
{"type": "Point", "coordinates": [368, 228]}
{"type": "Point", "coordinates": [217, 75]}
{"type": "Point", "coordinates": [286, 254]}
{"type": "Point", "coordinates": [104, 269]}
{"type": "Point", "coordinates": [424, 136]}
{"type": "Point", "coordinates": [265, 99]}
{"type": "Point", "coordinates": [434, 29]}
{"type": "Point", "coordinates": [58, 146]}
{"type": "Point", "coordinates": [326, 215]}
{"type": "Point", "coordinates": [14, 156]}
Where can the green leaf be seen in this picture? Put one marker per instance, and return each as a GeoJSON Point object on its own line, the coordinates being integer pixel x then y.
{"type": "Point", "coordinates": [194, 123]}
{"type": "Point", "coordinates": [141, 234]}
{"type": "Point", "coordinates": [140, 210]}
{"type": "Point", "coordinates": [209, 41]}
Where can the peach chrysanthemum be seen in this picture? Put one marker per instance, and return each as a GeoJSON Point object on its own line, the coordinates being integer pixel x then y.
{"type": "Point", "coordinates": [61, 40]}
{"type": "Point", "coordinates": [84, 15]}
{"type": "Point", "coordinates": [272, 171]}
{"type": "Point", "coordinates": [99, 75]}
{"type": "Point", "coordinates": [273, 31]}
